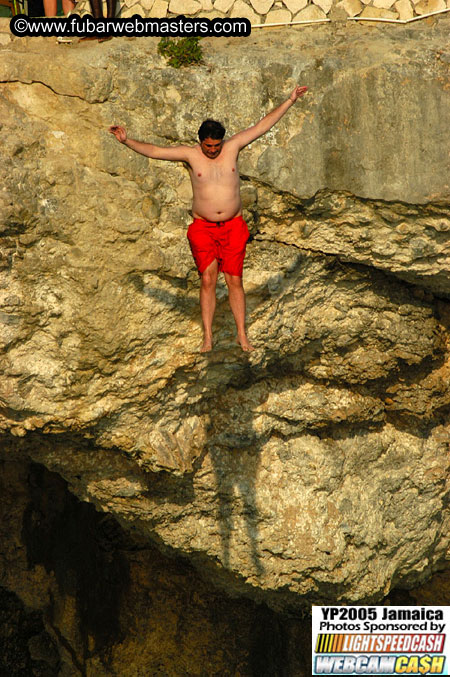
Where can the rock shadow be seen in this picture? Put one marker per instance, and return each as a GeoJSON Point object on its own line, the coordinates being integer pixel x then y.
{"type": "Point", "coordinates": [80, 547]}
{"type": "Point", "coordinates": [235, 456]}
{"type": "Point", "coordinates": [235, 470]}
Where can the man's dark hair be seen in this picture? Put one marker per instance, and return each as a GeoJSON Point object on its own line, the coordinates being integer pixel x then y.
{"type": "Point", "coordinates": [211, 129]}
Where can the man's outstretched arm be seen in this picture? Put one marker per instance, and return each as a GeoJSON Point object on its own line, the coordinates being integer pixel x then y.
{"type": "Point", "coordinates": [177, 153]}
{"type": "Point", "coordinates": [268, 121]}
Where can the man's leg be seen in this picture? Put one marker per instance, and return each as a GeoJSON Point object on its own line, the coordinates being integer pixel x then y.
{"type": "Point", "coordinates": [68, 6]}
{"type": "Point", "coordinates": [237, 302]}
{"type": "Point", "coordinates": [208, 303]}
{"type": "Point", "coordinates": [96, 8]}
{"type": "Point", "coordinates": [111, 9]}
{"type": "Point", "coordinates": [50, 7]}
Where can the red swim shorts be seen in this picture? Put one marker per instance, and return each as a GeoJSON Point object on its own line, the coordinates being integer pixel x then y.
{"type": "Point", "coordinates": [224, 241]}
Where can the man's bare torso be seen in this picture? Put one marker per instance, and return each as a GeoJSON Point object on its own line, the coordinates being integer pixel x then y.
{"type": "Point", "coordinates": [215, 184]}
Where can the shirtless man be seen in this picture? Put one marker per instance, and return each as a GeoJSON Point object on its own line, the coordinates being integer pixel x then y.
{"type": "Point", "coordinates": [218, 234]}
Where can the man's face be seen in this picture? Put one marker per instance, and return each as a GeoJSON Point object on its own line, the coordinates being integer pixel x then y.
{"type": "Point", "coordinates": [211, 147]}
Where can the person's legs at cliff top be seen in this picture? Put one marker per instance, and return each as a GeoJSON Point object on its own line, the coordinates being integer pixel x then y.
{"type": "Point", "coordinates": [236, 297]}
{"type": "Point", "coordinates": [208, 303]}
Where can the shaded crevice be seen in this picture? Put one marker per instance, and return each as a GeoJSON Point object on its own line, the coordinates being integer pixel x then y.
{"type": "Point", "coordinates": [354, 264]}
{"type": "Point", "coordinates": [316, 213]}
{"type": "Point", "coordinates": [165, 591]}
{"type": "Point", "coordinates": [62, 640]}
{"type": "Point", "coordinates": [74, 543]}
{"type": "Point", "coordinates": [26, 648]}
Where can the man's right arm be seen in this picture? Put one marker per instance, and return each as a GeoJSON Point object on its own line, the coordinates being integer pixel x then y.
{"type": "Point", "coordinates": [176, 153]}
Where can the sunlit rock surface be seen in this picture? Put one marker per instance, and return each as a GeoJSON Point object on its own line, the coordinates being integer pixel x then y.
{"type": "Point", "coordinates": [316, 468]}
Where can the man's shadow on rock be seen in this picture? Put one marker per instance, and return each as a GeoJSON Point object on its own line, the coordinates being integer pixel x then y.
{"type": "Point", "coordinates": [233, 445]}
{"type": "Point", "coordinates": [235, 458]}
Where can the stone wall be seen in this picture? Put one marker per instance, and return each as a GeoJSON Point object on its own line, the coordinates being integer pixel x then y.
{"type": "Point", "coordinates": [278, 11]}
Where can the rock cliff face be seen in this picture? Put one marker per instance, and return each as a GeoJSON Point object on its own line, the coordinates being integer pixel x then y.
{"type": "Point", "coordinates": [315, 469]}
{"type": "Point", "coordinates": [89, 600]}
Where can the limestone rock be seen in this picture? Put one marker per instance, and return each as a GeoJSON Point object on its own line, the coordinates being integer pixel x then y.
{"type": "Point", "coordinates": [241, 9]}
{"type": "Point", "coordinates": [428, 6]}
{"type": "Point", "coordinates": [72, 572]}
{"type": "Point", "coordinates": [285, 474]}
{"type": "Point", "coordinates": [84, 82]}
{"type": "Point", "coordinates": [404, 9]}
{"type": "Point", "coordinates": [278, 16]}
{"type": "Point", "coordinates": [383, 4]}
{"type": "Point", "coordinates": [352, 7]}
{"type": "Point", "coordinates": [295, 6]}
{"type": "Point", "coordinates": [378, 13]}
{"type": "Point", "coordinates": [261, 6]}
{"type": "Point", "coordinates": [184, 6]}
{"type": "Point", "coordinates": [159, 9]}
{"type": "Point", "coordinates": [213, 14]}
{"type": "Point", "coordinates": [325, 5]}
{"type": "Point", "coordinates": [223, 5]}
{"type": "Point", "coordinates": [5, 33]}
{"type": "Point", "coordinates": [310, 13]}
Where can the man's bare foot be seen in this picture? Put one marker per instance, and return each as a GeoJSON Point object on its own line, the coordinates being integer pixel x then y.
{"type": "Point", "coordinates": [206, 345]}
{"type": "Point", "coordinates": [245, 344]}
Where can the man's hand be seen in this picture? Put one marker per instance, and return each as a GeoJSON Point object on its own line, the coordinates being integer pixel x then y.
{"type": "Point", "coordinates": [119, 132]}
{"type": "Point", "coordinates": [297, 93]}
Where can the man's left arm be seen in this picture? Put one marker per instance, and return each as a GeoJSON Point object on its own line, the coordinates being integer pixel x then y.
{"type": "Point", "coordinates": [268, 121]}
